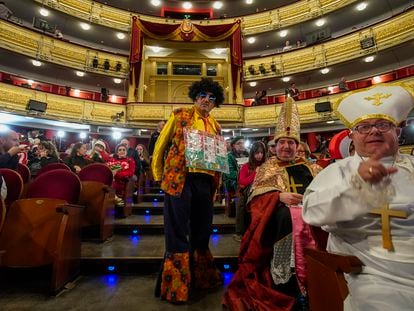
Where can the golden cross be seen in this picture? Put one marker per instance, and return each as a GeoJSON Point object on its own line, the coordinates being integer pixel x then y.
{"type": "Point", "coordinates": [293, 186]}
{"type": "Point", "coordinates": [377, 98]}
{"type": "Point", "coordinates": [386, 214]}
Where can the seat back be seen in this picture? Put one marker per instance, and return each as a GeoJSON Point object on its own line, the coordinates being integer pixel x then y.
{"type": "Point", "coordinates": [51, 167]}
{"type": "Point", "coordinates": [24, 172]}
{"type": "Point", "coordinates": [57, 184]}
{"type": "Point", "coordinates": [320, 237]}
{"type": "Point", "coordinates": [14, 183]}
{"type": "Point", "coordinates": [2, 215]}
{"type": "Point", "coordinates": [97, 172]}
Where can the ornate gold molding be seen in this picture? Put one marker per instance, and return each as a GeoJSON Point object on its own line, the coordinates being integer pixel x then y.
{"type": "Point", "coordinates": [42, 47]}
{"type": "Point", "coordinates": [138, 115]}
{"type": "Point", "coordinates": [387, 34]}
{"type": "Point", "coordinates": [252, 24]}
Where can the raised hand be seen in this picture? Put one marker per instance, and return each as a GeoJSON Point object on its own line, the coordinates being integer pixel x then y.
{"type": "Point", "coordinates": [372, 170]}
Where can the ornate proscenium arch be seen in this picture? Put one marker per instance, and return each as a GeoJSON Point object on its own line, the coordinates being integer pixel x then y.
{"type": "Point", "coordinates": [186, 31]}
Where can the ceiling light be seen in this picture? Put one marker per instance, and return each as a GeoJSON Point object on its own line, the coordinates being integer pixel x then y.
{"type": "Point", "coordinates": [30, 82]}
{"type": "Point", "coordinates": [44, 12]}
{"type": "Point", "coordinates": [324, 71]}
{"type": "Point", "coordinates": [113, 97]}
{"type": "Point", "coordinates": [253, 84]}
{"type": "Point", "coordinates": [155, 49]}
{"type": "Point", "coordinates": [330, 89]}
{"type": "Point", "coordinates": [362, 6]}
{"type": "Point", "coordinates": [330, 121]}
{"type": "Point", "coordinates": [61, 134]}
{"type": "Point", "coordinates": [283, 33]}
{"type": "Point", "coordinates": [116, 135]}
{"type": "Point", "coordinates": [249, 1]}
{"type": "Point", "coordinates": [218, 51]}
{"type": "Point", "coordinates": [155, 2]}
{"type": "Point", "coordinates": [217, 5]}
{"type": "Point", "coordinates": [117, 80]}
{"type": "Point", "coordinates": [80, 73]}
{"type": "Point", "coordinates": [187, 5]}
{"type": "Point", "coordinates": [286, 79]}
{"type": "Point", "coordinates": [251, 40]}
{"type": "Point", "coordinates": [82, 135]}
{"type": "Point", "coordinates": [85, 26]}
{"type": "Point", "coordinates": [36, 63]}
{"type": "Point", "coordinates": [376, 79]}
{"type": "Point", "coordinates": [76, 92]}
{"type": "Point", "coordinates": [369, 59]}
{"type": "Point", "coordinates": [120, 35]}
{"type": "Point", "coordinates": [320, 22]}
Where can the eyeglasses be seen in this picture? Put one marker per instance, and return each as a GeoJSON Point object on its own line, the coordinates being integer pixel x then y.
{"type": "Point", "coordinates": [382, 127]}
{"type": "Point", "coordinates": [210, 98]}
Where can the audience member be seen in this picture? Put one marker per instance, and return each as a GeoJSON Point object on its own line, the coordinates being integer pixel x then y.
{"type": "Point", "coordinates": [257, 156]}
{"type": "Point", "coordinates": [303, 151]}
{"type": "Point", "coordinates": [145, 174]}
{"type": "Point", "coordinates": [77, 158]}
{"type": "Point", "coordinates": [271, 148]}
{"type": "Point", "coordinates": [294, 91]}
{"type": "Point", "coordinates": [9, 148]}
{"type": "Point", "coordinates": [343, 87]}
{"type": "Point", "coordinates": [287, 46]}
{"type": "Point", "coordinates": [132, 153]}
{"type": "Point", "coordinates": [98, 152]}
{"type": "Point", "coordinates": [154, 137]}
{"type": "Point", "coordinates": [5, 12]}
{"type": "Point", "coordinates": [47, 154]}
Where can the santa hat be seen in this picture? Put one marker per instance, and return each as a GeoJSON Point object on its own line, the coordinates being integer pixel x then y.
{"type": "Point", "coordinates": [339, 145]}
{"type": "Point", "coordinates": [100, 143]}
{"type": "Point", "coordinates": [288, 125]}
{"type": "Point", "coordinates": [391, 102]}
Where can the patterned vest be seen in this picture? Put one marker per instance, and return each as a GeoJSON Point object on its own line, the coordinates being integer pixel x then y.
{"type": "Point", "coordinates": [174, 173]}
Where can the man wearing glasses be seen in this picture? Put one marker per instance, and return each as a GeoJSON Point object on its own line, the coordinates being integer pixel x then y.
{"type": "Point", "coordinates": [188, 204]}
{"type": "Point", "coordinates": [366, 201]}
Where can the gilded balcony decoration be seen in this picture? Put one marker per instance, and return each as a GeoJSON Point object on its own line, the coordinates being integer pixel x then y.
{"type": "Point", "coordinates": [252, 24]}
{"type": "Point", "coordinates": [387, 34]}
{"type": "Point", "coordinates": [14, 99]}
{"type": "Point", "coordinates": [42, 47]}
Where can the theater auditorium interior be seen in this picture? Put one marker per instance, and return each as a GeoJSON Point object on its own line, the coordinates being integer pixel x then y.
{"type": "Point", "coordinates": [98, 72]}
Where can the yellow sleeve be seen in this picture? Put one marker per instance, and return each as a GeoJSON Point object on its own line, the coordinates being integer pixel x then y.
{"type": "Point", "coordinates": [162, 142]}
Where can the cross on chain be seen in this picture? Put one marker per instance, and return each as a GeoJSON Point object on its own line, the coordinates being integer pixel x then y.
{"type": "Point", "coordinates": [386, 214]}
{"type": "Point", "coordinates": [377, 98]}
{"type": "Point", "coordinates": [293, 186]}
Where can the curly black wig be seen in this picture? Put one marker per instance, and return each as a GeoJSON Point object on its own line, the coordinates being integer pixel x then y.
{"type": "Point", "coordinates": [206, 85]}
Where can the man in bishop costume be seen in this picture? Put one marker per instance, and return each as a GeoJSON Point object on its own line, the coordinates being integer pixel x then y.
{"type": "Point", "coordinates": [366, 201]}
{"type": "Point", "coordinates": [271, 273]}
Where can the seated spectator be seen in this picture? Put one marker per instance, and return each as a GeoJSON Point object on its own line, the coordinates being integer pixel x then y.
{"type": "Point", "coordinates": [58, 34]}
{"type": "Point", "coordinates": [271, 148]}
{"type": "Point", "coordinates": [47, 154]}
{"type": "Point", "coordinates": [294, 91]}
{"type": "Point", "coordinates": [9, 148]}
{"type": "Point", "coordinates": [98, 152]}
{"type": "Point", "coordinates": [343, 87]}
{"type": "Point", "coordinates": [257, 156]}
{"type": "Point", "coordinates": [77, 158]}
{"type": "Point", "coordinates": [287, 46]}
{"type": "Point", "coordinates": [303, 151]}
{"type": "Point", "coordinates": [5, 12]}
{"type": "Point", "coordinates": [123, 168]}
{"type": "Point", "coordinates": [298, 44]}
{"type": "Point", "coordinates": [145, 176]}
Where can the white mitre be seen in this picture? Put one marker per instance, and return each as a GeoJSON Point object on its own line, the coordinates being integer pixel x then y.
{"type": "Point", "coordinates": [384, 101]}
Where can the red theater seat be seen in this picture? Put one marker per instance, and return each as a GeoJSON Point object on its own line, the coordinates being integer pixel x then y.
{"type": "Point", "coordinates": [51, 167]}
{"type": "Point", "coordinates": [24, 172]}
{"type": "Point", "coordinates": [56, 184]}
{"type": "Point", "coordinates": [14, 183]}
{"type": "Point", "coordinates": [97, 172]}
{"type": "Point", "coordinates": [98, 198]}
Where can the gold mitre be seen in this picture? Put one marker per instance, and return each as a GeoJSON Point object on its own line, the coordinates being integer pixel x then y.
{"type": "Point", "coordinates": [288, 124]}
{"type": "Point", "coordinates": [384, 101]}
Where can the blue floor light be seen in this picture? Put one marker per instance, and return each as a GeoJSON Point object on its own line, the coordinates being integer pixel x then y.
{"type": "Point", "coordinates": [111, 268]}
{"type": "Point", "coordinates": [226, 266]}
{"type": "Point", "coordinates": [215, 230]}
{"type": "Point", "coordinates": [135, 231]}
{"type": "Point", "coordinates": [147, 211]}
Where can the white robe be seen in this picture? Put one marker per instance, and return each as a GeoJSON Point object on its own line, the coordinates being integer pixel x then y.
{"type": "Point", "coordinates": [335, 203]}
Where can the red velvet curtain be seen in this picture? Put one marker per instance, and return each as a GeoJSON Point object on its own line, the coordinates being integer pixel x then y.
{"type": "Point", "coordinates": [230, 32]}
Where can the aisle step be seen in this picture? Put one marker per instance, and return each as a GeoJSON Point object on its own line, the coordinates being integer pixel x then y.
{"type": "Point", "coordinates": [144, 253]}
{"type": "Point", "coordinates": [156, 208]}
{"type": "Point", "coordinates": [154, 224]}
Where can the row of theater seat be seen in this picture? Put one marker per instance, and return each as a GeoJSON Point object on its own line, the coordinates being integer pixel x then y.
{"type": "Point", "coordinates": [42, 219]}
